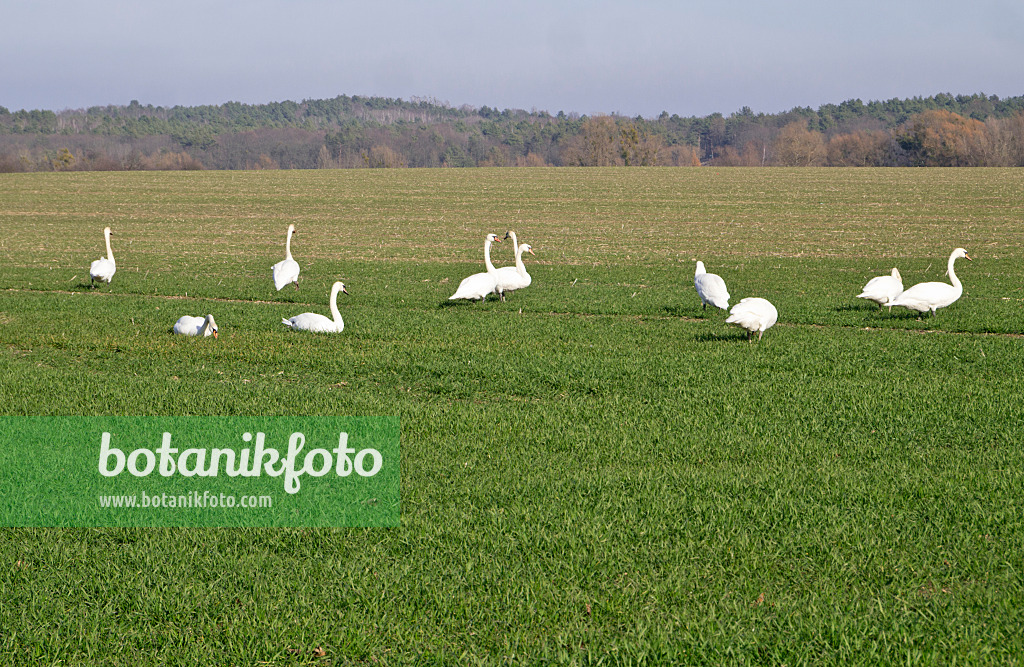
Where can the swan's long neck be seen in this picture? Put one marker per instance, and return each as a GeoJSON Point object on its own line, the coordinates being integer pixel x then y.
{"type": "Point", "coordinates": [288, 245]}
{"type": "Point", "coordinates": [700, 269]}
{"type": "Point", "coordinates": [487, 256]}
{"type": "Point", "coordinates": [952, 275]}
{"type": "Point", "coordinates": [110, 253]}
{"type": "Point", "coordinates": [335, 313]}
{"type": "Point", "coordinates": [520, 267]}
{"type": "Point", "coordinates": [206, 326]}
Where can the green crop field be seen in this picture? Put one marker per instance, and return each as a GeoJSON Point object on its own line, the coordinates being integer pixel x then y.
{"type": "Point", "coordinates": [595, 471]}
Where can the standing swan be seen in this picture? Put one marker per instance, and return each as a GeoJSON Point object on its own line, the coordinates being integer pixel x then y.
{"type": "Point", "coordinates": [103, 269]}
{"type": "Point", "coordinates": [511, 278]}
{"type": "Point", "coordinates": [753, 314]}
{"type": "Point", "coordinates": [710, 288]}
{"type": "Point", "coordinates": [883, 289]}
{"type": "Point", "coordinates": [196, 326]}
{"type": "Point", "coordinates": [923, 297]}
{"type": "Point", "coordinates": [287, 270]}
{"type": "Point", "coordinates": [479, 285]}
{"type": "Point", "coordinates": [317, 322]}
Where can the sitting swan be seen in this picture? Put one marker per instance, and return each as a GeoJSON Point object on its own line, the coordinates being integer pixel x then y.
{"type": "Point", "coordinates": [196, 326]}
{"type": "Point", "coordinates": [511, 278]}
{"type": "Point", "coordinates": [710, 288]}
{"type": "Point", "coordinates": [883, 289]}
{"type": "Point", "coordinates": [103, 268]}
{"type": "Point", "coordinates": [923, 297]}
{"type": "Point", "coordinates": [287, 270]}
{"type": "Point", "coordinates": [479, 285]}
{"type": "Point", "coordinates": [317, 322]}
{"type": "Point", "coordinates": [753, 314]}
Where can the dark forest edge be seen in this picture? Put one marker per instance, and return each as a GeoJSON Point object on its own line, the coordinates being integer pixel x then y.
{"type": "Point", "coordinates": [373, 132]}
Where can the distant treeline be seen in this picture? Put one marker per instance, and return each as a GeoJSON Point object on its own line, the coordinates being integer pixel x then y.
{"type": "Point", "coordinates": [373, 132]}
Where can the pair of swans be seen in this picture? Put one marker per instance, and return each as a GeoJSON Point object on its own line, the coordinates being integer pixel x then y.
{"type": "Point", "coordinates": [922, 297]}
{"type": "Point", "coordinates": [200, 326]}
{"type": "Point", "coordinates": [499, 281]}
{"type": "Point", "coordinates": [103, 270]}
{"type": "Point", "coordinates": [751, 313]}
{"type": "Point", "coordinates": [287, 272]}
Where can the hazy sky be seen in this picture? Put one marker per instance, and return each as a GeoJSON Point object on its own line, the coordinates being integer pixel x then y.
{"type": "Point", "coordinates": [628, 57]}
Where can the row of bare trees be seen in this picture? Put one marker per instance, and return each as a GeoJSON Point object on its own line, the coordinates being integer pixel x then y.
{"type": "Point", "coordinates": [931, 138]}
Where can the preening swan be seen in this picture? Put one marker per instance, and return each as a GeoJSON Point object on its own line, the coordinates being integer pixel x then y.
{"type": "Point", "coordinates": [511, 278]}
{"type": "Point", "coordinates": [103, 269]}
{"type": "Point", "coordinates": [317, 322]}
{"type": "Point", "coordinates": [196, 326]}
{"type": "Point", "coordinates": [923, 297]}
{"type": "Point", "coordinates": [753, 314]}
{"type": "Point", "coordinates": [479, 285]}
{"type": "Point", "coordinates": [710, 288]}
{"type": "Point", "coordinates": [883, 289]}
{"type": "Point", "coordinates": [287, 270]}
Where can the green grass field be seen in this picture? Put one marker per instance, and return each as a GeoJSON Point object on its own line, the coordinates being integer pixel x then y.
{"type": "Point", "coordinates": [595, 471]}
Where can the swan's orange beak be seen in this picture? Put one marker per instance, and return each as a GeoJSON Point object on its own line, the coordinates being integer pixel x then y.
{"type": "Point", "coordinates": [345, 291]}
{"type": "Point", "coordinates": [215, 334]}
{"type": "Point", "coordinates": [531, 251]}
{"type": "Point", "coordinates": [968, 257]}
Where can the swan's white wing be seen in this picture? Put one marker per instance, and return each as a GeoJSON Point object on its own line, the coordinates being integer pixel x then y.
{"type": "Point", "coordinates": [882, 289]}
{"type": "Point", "coordinates": [286, 271]}
{"type": "Point", "coordinates": [102, 269]}
{"type": "Point", "coordinates": [928, 296]}
{"type": "Point", "coordinates": [509, 279]}
{"type": "Point", "coordinates": [711, 289]}
{"type": "Point", "coordinates": [312, 322]}
{"type": "Point", "coordinates": [753, 314]}
{"type": "Point", "coordinates": [476, 286]}
{"type": "Point", "coordinates": [189, 325]}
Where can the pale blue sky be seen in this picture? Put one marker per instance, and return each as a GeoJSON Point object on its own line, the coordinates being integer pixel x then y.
{"type": "Point", "coordinates": [640, 57]}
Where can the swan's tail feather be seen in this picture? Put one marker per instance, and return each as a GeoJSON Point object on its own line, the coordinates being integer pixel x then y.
{"type": "Point", "coordinates": [284, 321]}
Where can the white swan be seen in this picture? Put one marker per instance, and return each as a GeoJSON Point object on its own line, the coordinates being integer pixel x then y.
{"type": "Point", "coordinates": [479, 285]}
{"type": "Point", "coordinates": [317, 322]}
{"type": "Point", "coordinates": [287, 270]}
{"type": "Point", "coordinates": [923, 297]}
{"type": "Point", "coordinates": [710, 288]}
{"type": "Point", "coordinates": [103, 269]}
{"type": "Point", "coordinates": [511, 278]}
{"type": "Point", "coordinates": [196, 326]}
{"type": "Point", "coordinates": [753, 314]}
{"type": "Point", "coordinates": [883, 289]}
